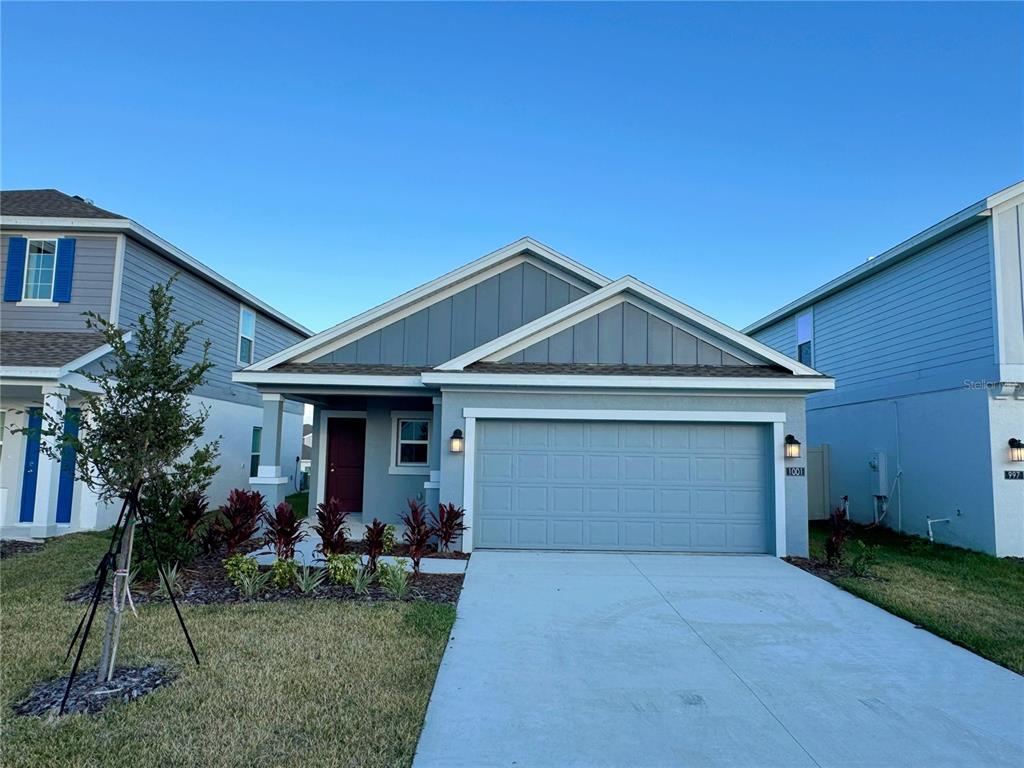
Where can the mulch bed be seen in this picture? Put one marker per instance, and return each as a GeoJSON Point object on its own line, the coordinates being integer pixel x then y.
{"type": "Point", "coordinates": [11, 548]}
{"type": "Point", "coordinates": [205, 582]}
{"type": "Point", "coordinates": [402, 550]}
{"type": "Point", "coordinates": [89, 695]}
{"type": "Point", "coordinates": [823, 570]}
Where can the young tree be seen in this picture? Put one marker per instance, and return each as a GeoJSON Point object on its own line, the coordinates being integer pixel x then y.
{"type": "Point", "coordinates": [137, 428]}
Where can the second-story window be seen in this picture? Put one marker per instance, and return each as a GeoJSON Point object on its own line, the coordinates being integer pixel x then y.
{"type": "Point", "coordinates": [246, 335]}
{"type": "Point", "coordinates": [40, 266]}
{"type": "Point", "coordinates": [805, 339]}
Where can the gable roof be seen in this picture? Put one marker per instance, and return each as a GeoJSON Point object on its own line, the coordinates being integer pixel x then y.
{"type": "Point", "coordinates": [972, 214]}
{"type": "Point", "coordinates": [50, 202]}
{"type": "Point", "coordinates": [47, 349]}
{"type": "Point", "coordinates": [51, 209]}
{"type": "Point", "coordinates": [738, 344]}
{"type": "Point", "coordinates": [412, 301]}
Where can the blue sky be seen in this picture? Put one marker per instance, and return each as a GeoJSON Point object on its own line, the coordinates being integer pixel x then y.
{"type": "Point", "coordinates": [328, 157]}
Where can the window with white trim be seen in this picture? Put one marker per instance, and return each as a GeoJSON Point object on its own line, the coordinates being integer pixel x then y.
{"type": "Point", "coordinates": [805, 338]}
{"type": "Point", "coordinates": [410, 443]}
{"type": "Point", "coordinates": [254, 451]}
{"type": "Point", "coordinates": [40, 268]}
{"type": "Point", "coordinates": [246, 335]}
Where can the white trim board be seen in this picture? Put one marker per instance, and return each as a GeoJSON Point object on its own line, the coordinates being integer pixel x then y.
{"type": "Point", "coordinates": [572, 313]}
{"type": "Point", "coordinates": [412, 301]}
{"type": "Point", "coordinates": [776, 419]}
{"type": "Point", "coordinates": [315, 379]}
{"type": "Point", "coordinates": [795, 384]}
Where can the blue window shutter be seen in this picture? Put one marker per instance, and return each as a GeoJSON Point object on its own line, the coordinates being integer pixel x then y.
{"type": "Point", "coordinates": [14, 277]}
{"type": "Point", "coordinates": [65, 269]}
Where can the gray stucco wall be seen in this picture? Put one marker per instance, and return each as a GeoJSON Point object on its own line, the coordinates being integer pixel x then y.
{"type": "Point", "coordinates": [91, 287]}
{"type": "Point", "coordinates": [196, 299]}
{"type": "Point", "coordinates": [626, 334]}
{"type": "Point", "coordinates": [454, 400]}
{"type": "Point", "coordinates": [465, 320]}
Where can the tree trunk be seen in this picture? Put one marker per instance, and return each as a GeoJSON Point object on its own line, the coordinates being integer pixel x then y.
{"type": "Point", "coordinates": [119, 591]}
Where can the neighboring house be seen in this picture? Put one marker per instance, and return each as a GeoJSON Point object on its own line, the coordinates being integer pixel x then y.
{"type": "Point", "coordinates": [926, 344]}
{"type": "Point", "coordinates": [61, 256]}
{"type": "Point", "coordinates": [563, 410]}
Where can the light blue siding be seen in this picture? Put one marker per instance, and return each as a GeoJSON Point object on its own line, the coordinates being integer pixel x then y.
{"type": "Point", "coordinates": [471, 317]}
{"type": "Point", "coordinates": [928, 312]}
{"type": "Point", "coordinates": [196, 299]}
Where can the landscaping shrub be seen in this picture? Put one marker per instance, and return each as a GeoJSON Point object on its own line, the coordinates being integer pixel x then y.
{"type": "Point", "coordinates": [863, 558]}
{"type": "Point", "coordinates": [251, 584]}
{"type": "Point", "coordinates": [330, 527]}
{"type": "Point", "coordinates": [195, 515]}
{"type": "Point", "coordinates": [394, 578]}
{"type": "Point", "coordinates": [374, 541]}
{"type": "Point", "coordinates": [237, 521]}
{"type": "Point", "coordinates": [362, 581]}
{"type": "Point", "coordinates": [283, 573]}
{"type": "Point", "coordinates": [418, 533]}
{"type": "Point", "coordinates": [342, 569]}
{"type": "Point", "coordinates": [161, 507]}
{"type": "Point", "coordinates": [389, 539]}
{"type": "Point", "coordinates": [240, 566]}
{"type": "Point", "coordinates": [309, 579]}
{"type": "Point", "coordinates": [171, 582]}
{"type": "Point", "coordinates": [284, 530]}
{"type": "Point", "coordinates": [840, 527]}
{"type": "Point", "coordinates": [448, 524]}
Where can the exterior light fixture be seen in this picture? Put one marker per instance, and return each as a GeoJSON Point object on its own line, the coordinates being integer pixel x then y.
{"type": "Point", "coordinates": [1016, 449]}
{"type": "Point", "coordinates": [457, 442]}
{"type": "Point", "coordinates": [792, 447]}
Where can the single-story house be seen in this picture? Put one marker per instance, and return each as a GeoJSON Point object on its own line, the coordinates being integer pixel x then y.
{"type": "Point", "coordinates": [561, 409]}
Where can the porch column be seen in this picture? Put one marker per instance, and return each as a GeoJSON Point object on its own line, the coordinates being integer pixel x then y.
{"type": "Point", "coordinates": [44, 516]}
{"type": "Point", "coordinates": [271, 479]}
{"type": "Point", "coordinates": [432, 487]}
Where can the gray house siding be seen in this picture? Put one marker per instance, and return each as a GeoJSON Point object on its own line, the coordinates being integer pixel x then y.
{"type": "Point", "coordinates": [91, 286]}
{"type": "Point", "coordinates": [626, 334]}
{"type": "Point", "coordinates": [930, 312]}
{"type": "Point", "coordinates": [463, 321]}
{"type": "Point", "coordinates": [195, 299]}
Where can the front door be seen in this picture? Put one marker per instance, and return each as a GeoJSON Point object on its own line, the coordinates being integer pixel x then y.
{"type": "Point", "coordinates": [346, 446]}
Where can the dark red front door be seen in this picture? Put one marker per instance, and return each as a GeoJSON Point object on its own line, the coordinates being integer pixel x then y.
{"type": "Point", "coordinates": [346, 441]}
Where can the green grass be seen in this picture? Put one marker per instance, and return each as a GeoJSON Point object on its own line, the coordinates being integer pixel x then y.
{"type": "Point", "coordinates": [300, 503]}
{"type": "Point", "coordinates": [969, 598]}
{"type": "Point", "coordinates": [322, 683]}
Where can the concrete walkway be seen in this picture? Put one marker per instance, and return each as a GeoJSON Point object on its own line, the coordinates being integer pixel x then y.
{"type": "Point", "coordinates": [685, 660]}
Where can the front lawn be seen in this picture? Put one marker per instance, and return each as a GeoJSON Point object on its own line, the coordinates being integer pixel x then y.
{"type": "Point", "coordinates": [300, 503]}
{"type": "Point", "coordinates": [972, 599]}
{"type": "Point", "coordinates": [320, 682]}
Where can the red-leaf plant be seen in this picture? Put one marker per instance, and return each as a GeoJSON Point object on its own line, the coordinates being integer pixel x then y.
{"type": "Point", "coordinates": [374, 541]}
{"type": "Point", "coordinates": [193, 513]}
{"type": "Point", "coordinates": [284, 530]}
{"type": "Point", "coordinates": [447, 524]}
{"type": "Point", "coordinates": [331, 528]}
{"type": "Point", "coordinates": [418, 532]}
{"type": "Point", "coordinates": [840, 525]}
{"type": "Point", "coordinates": [238, 520]}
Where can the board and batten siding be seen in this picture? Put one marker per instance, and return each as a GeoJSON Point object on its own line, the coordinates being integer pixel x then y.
{"type": "Point", "coordinates": [625, 334]}
{"type": "Point", "coordinates": [196, 299]}
{"type": "Point", "coordinates": [929, 312]}
{"type": "Point", "coordinates": [467, 319]}
{"type": "Point", "coordinates": [91, 287]}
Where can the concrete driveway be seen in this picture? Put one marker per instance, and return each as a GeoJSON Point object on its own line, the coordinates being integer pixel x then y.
{"type": "Point", "coordinates": [685, 660]}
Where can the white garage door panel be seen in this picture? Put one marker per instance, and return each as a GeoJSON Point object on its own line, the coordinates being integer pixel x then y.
{"type": "Point", "coordinates": [612, 485]}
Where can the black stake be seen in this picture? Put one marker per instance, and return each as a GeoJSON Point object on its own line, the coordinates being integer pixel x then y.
{"type": "Point", "coordinates": [170, 592]}
{"type": "Point", "coordinates": [101, 580]}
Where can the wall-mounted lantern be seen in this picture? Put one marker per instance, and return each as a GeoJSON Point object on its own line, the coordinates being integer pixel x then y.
{"type": "Point", "coordinates": [792, 447]}
{"type": "Point", "coordinates": [457, 443]}
{"type": "Point", "coordinates": [1016, 449]}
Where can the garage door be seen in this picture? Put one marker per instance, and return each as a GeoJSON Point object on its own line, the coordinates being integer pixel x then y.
{"type": "Point", "coordinates": [622, 486]}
